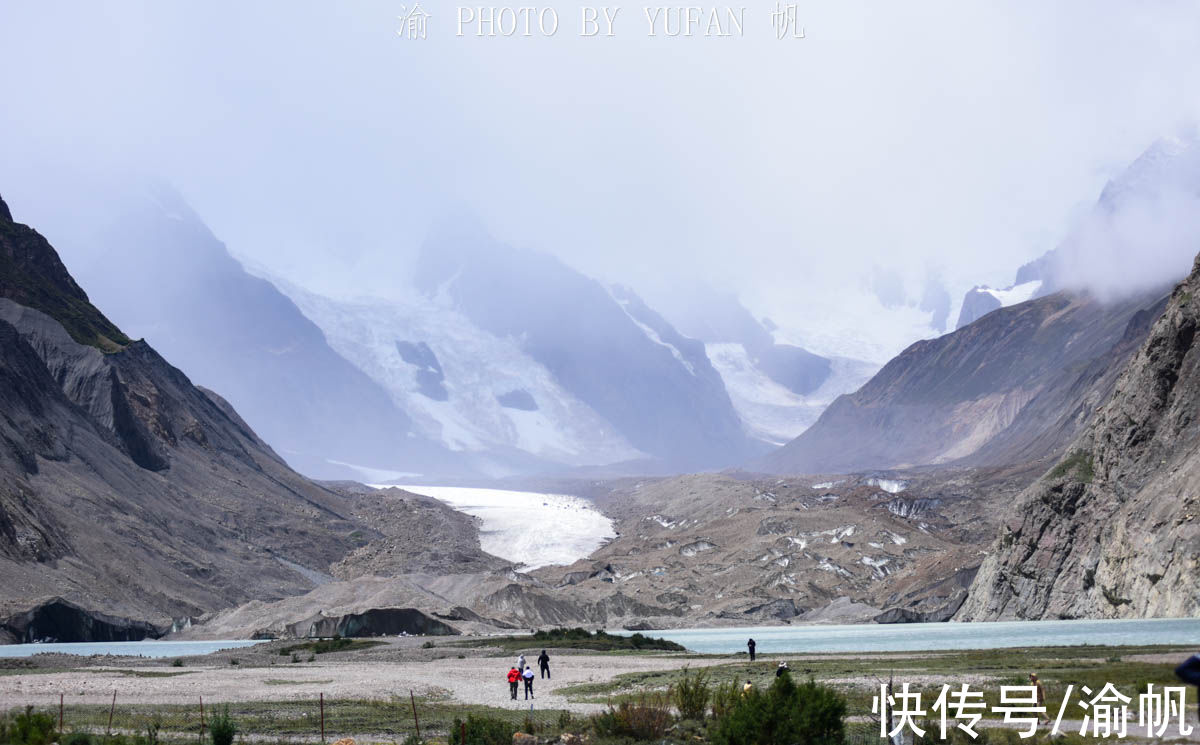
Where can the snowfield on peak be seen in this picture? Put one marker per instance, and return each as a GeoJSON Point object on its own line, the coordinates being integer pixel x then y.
{"type": "Point", "coordinates": [1015, 294]}
{"type": "Point", "coordinates": [462, 386]}
{"type": "Point", "coordinates": [770, 411]}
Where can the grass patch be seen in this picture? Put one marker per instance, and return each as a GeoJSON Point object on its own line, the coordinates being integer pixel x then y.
{"type": "Point", "coordinates": [577, 638]}
{"type": "Point", "coordinates": [325, 646]}
{"type": "Point", "coordinates": [136, 673]}
{"type": "Point", "coordinates": [1078, 464]}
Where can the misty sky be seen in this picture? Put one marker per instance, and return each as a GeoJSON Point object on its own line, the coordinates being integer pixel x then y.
{"type": "Point", "coordinates": [937, 138]}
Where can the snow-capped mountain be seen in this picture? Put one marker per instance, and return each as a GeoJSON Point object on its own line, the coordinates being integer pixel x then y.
{"type": "Point", "coordinates": [469, 389]}
{"type": "Point", "coordinates": [778, 389]}
{"type": "Point", "coordinates": [603, 345]}
{"type": "Point", "coordinates": [770, 410]}
{"type": "Point", "coordinates": [981, 300]}
{"type": "Point", "coordinates": [1140, 233]}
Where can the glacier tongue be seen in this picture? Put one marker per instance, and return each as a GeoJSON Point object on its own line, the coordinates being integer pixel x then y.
{"type": "Point", "coordinates": [528, 528]}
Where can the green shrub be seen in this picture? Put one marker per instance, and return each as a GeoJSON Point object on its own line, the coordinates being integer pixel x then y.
{"type": "Point", "coordinates": [176, 662]}
{"type": "Point", "coordinates": [564, 720]}
{"type": "Point", "coordinates": [786, 714]}
{"type": "Point", "coordinates": [692, 693]}
{"type": "Point", "coordinates": [152, 730]}
{"type": "Point", "coordinates": [646, 718]}
{"type": "Point", "coordinates": [29, 728]}
{"type": "Point", "coordinates": [578, 638]}
{"type": "Point", "coordinates": [79, 738]}
{"type": "Point", "coordinates": [482, 730]}
{"type": "Point", "coordinates": [222, 728]}
{"type": "Point", "coordinates": [428, 645]}
{"type": "Point", "coordinates": [724, 698]}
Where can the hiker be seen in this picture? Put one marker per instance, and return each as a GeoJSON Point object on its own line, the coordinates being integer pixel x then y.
{"type": "Point", "coordinates": [751, 645]}
{"type": "Point", "coordinates": [528, 683]}
{"type": "Point", "coordinates": [521, 662]}
{"type": "Point", "coordinates": [1041, 696]}
{"type": "Point", "coordinates": [514, 677]}
{"type": "Point", "coordinates": [544, 664]}
{"type": "Point", "coordinates": [779, 671]}
{"type": "Point", "coordinates": [1189, 672]}
{"type": "Point", "coordinates": [747, 688]}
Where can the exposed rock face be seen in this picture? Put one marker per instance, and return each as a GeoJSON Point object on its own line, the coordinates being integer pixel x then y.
{"type": "Point", "coordinates": [114, 466]}
{"type": "Point", "coordinates": [1112, 530]}
{"type": "Point", "coordinates": [232, 332]}
{"type": "Point", "coordinates": [372, 622]}
{"type": "Point", "coordinates": [976, 304]}
{"type": "Point", "coordinates": [59, 620]}
{"type": "Point", "coordinates": [430, 378]}
{"type": "Point", "coordinates": [1009, 388]}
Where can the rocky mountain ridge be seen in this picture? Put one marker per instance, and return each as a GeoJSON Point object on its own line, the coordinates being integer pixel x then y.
{"type": "Point", "coordinates": [130, 498]}
{"type": "Point", "coordinates": [1111, 531]}
{"type": "Point", "coordinates": [1002, 390]}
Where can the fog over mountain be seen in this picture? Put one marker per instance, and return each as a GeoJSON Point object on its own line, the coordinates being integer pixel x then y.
{"type": "Point", "coordinates": [321, 145]}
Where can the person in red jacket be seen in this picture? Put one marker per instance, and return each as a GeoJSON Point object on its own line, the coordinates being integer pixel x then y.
{"type": "Point", "coordinates": [514, 679]}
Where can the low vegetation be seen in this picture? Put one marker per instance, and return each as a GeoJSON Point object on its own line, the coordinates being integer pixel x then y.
{"type": "Point", "coordinates": [599, 641]}
{"type": "Point", "coordinates": [222, 728]}
{"type": "Point", "coordinates": [28, 727]}
{"type": "Point", "coordinates": [325, 646]}
{"type": "Point", "coordinates": [1078, 465]}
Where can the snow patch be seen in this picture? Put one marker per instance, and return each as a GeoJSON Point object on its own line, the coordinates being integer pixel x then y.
{"type": "Point", "coordinates": [1015, 294]}
{"type": "Point", "coordinates": [891, 486]}
{"type": "Point", "coordinates": [652, 335]}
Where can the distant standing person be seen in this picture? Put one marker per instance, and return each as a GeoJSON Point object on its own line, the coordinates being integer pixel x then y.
{"type": "Point", "coordinates": [521, 662]}
{"type": "Point", "coordinates": [1041, 696]}
{"type": "Point", "coordinates": [514, 678]}
{"type": "Point", "coordinates": [544, 664]}
{"type": "Point", "coordinates": [528, 682]}
{"type": "Point", "coordinates": [751, 645]}
{"type": "Point", "coordinates": [779, 671]}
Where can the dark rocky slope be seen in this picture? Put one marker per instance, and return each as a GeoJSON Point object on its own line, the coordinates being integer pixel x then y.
{"type": "Point", "coordinates": [159, 272]}
{"type": "Point", "coordinates": [1015, 385]}
{"type": "Point", "coordinates": [1112, 531]}
{"type": "Point", "coordinates": [129, 497]}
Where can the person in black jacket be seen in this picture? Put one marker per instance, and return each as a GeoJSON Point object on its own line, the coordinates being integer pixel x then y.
{"type": "Point", "coordinates": [751, 645]}
{"type": "Point", "coordinates": [544, 664]}
{"type": "Point", "coordinates": [1189, 672]}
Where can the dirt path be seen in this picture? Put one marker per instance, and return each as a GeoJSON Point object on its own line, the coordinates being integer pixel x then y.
{"type": "Point", "coordinates": [475, 680]}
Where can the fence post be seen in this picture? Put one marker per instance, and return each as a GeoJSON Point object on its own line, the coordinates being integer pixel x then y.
{"type": "Point", "coordinates": [416, 722]}
{"type": "Point", "coordinates": [322, 717]}
{"type": "Point", "coordinates": [201, 720]}
{"type": "Point", "coordinates": [462, 733]}
{"type": "Point", "coordinates": [112, 709]}
{"type": "Point", "coordinates": [60, 717]}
